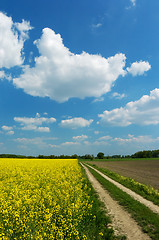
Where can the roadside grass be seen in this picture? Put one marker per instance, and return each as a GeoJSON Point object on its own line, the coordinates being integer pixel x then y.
{"type": "Point", "coordinates": [98, 229]}
{"type": "Point", "coordinates": [148, 220]}
{"type": "Point", "coordinates": [148, 192]}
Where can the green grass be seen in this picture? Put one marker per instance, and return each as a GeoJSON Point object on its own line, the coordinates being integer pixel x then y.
{"type": "Point", "coordinates": [148, 192]}
{"type": "Point", "coordinates": [148, 220]}
{"type": "Point", "coordinates": [98, 229]}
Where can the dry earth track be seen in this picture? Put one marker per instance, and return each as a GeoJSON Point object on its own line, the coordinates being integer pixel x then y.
{"type": "Point", "coordinates": [121, 220]}
{"type": "Point", "coordinates": [134, 195]}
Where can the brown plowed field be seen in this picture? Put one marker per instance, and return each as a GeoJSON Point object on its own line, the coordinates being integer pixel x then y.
{"type": "Point", "coordinates": [143, 171]}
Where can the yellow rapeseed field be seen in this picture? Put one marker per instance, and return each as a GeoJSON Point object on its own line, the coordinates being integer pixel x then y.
{"type": "Point", "coordinates": [42, 199]}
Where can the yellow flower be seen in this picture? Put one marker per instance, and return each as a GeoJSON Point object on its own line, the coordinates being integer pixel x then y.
{"type": "Point", "coordinates": [42, 197]}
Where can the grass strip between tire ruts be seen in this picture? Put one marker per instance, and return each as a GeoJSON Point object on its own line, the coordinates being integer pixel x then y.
{"type": "Point", "coordinates": [102, 221]}
{"type": "Point", "coordinates": [147, 192]}
{"type": "Point", "coordinates": [148, 220]}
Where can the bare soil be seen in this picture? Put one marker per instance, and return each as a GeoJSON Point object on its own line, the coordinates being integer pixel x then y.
{"type": "Point", "coordinates": [121, 220]}
{"type": "Point", "coordinates": [134, 195]}
{"type": "Point", "coordinates": [143, 171]}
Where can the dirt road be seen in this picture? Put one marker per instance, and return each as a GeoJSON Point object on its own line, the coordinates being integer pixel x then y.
{"type": "Point", "coordinates": [121, 220]}
{"type": "Point", "coordinates": [134, 195]}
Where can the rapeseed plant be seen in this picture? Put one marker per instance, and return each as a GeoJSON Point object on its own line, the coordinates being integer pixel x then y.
{"type": "Point", "coordinates": [42, 199]}
{"type": "Point", "coordinates": [48, 199]}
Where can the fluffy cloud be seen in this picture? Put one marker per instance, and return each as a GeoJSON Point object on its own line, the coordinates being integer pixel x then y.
{"type": "Point", "coordinates": [105, 138]}
{"type": "Point", "coordinates": [34, 123]}
{"type": "Point", "coordinates": [24, 28]}
{"type": "Point", "coordinates": [75, 123]}
{"type": "Point", "coordinates": [118, 95]}
{"type": "Point", "coordinates": [133, 139]}
{"type": "Point", "coordinates": [12, 38]}
{"type": "Point", "coordinates": [80, 138]}
{"type": "Point", "coordinates": [53, 146]}
{"type": "Point", "coordinates": [43, 129]}
{"type": "Point", "coordinates": [98, 25]}
{"type": "Point", "coordinates": [100, 99]}
{"type": "Point", "coordinates": [100, 143]}
{"type": "Point", "coordinates": [145, 111]}
{"type": "Point", "coordinates": [70, 143]}
{"type": "Point", "coordinates": [61, 75]}
{"type": "Point", "coordinates": [3, 75]}
{"type": "Point", "coordinates": [133, 2]}
{"type": "Point", "coordinates": [39, 142]}
{"type": "Point", "coordinates": [139, 68]}
{"type": "Point", "coordinates": [7, 128]}
{"type": "Point", "coordinates": [130, 139]}
{"type": "Point", "coordinates": [10, 133]}
{"type": "Point", "coordinates": [36, 141]}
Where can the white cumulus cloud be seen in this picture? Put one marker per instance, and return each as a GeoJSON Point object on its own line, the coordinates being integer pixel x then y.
{"type": "Point", "coordinates": [23, 28]}
{"type": "Point", "coordinates": [105, 138]}
{"type": "Point", "coordinates": [10, 133]}
{"type": "Point", "coordinates": [43, 129]}
{"type": "Point", "coordinates": [133, 139]}
{"type": "Point", "coordinates": [100, 99]}
{"type": "Point", "coordinates": [60, 74]}
{"type": "Point", "coordinates": [98, 25]}
{"type": "Point", "coordinates": [144, 111]}
{"type": "Point", "coordinates": [118, 95]}
{"type": "Point", "coordinates": [100, 143]}
{"type": "Point", "coordinates": [6, 128]}
{"type": "Point", "coordinates": [69, 143]}
{"type": "Point", "coordinates": [133, 2]}
{"type": "Point", "coordinates": [12, 41]}
{"type": "Point", "coordinates": [35, 123]}
{"type": "Point", "coordinates": [139, 68]}
{"type": "Point", "coordinates": [75, 123]}
{"type": "Point", "coordinates": [80, 138]}
{"type": "Point", "coordinates": [4, 75]}
{"type": "Point", "coordinates": [53, 145]}
{"type": "Point", "coordinates": [36, 141]}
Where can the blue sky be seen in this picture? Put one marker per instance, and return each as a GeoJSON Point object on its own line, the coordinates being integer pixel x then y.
{"type": "Point", "coordinates": [79, 76]}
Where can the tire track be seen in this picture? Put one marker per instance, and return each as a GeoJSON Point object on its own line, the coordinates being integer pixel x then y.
{"type": "Point", "coordinates": [122, 222]}
{"type": "Point", "coordinates": [134, 195]}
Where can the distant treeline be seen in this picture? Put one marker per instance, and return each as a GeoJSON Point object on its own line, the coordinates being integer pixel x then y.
{"type": "Point", "coordinates": [12, 156]}
{"type": "Point", "coordinates": [146, 154]}
{"type": "Point", "coordinates": [39, 156]}
{"type": "Point", "coordinates": [100, 155]}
